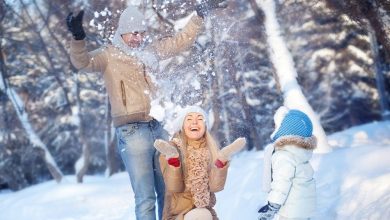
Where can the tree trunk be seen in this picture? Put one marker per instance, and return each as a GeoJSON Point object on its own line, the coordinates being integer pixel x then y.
{"type": "Point", "coordinates": [221, 92]}
{"type": "Point", "coordinates": [52, 69]}
{"type": "Point", "coordinates": [32, 135]}
{"type": "Point", "coordinates": [375, 12]}
{"type": "Point", "coordinates": [82, 163]}
{"type": "Point", "coordinates": [23, 118]}
{"type": "Point", "coordinates": [250, 118]}
{"type": "Point", "coordinates": [112, 159]}
{"type": "Point", "coordinates": [379, 69]}
{"type": "Point", "coordinates": [81, 166]}
{"type": "Point", "coordinates": [378, 16]}
{"type": "Point", "coordinates": [216, 105]}
{"type": "Point", "coordinates": [286, 73]}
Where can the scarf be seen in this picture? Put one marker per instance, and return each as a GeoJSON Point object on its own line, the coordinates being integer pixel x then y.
{"type": "Point", "coordinates": [143, 53]}
{"type": "Point", "coordinates": [198, 160]}
{"type": "Point", "coordinates": [267, 168]}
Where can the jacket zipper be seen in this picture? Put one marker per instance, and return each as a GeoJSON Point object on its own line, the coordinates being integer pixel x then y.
{"type": "Point", "coordinates": [147, 83]}
{"type": "Point", "coordinates": [123, 90]}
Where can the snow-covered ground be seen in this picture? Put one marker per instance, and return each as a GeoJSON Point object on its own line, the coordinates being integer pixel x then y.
{"type": "Point", "coordinates": [353, 182]}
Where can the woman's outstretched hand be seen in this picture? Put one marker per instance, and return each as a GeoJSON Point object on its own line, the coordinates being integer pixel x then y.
{"type": "Point", "coordinates": [170, 152]}
{"type": "Point", "coordinates": [227, 152]}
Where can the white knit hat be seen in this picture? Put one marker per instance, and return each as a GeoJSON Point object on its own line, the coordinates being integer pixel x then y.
{"type": "Point", "coordinates": [178, 122]}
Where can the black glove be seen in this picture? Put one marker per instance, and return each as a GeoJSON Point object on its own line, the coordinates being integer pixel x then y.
{"type": "Point", "coordinates": [75, 25]}
{"type": "Point", "coordinates": [204, 8]}
{"type": "Point", "coordinates": [268, 211]}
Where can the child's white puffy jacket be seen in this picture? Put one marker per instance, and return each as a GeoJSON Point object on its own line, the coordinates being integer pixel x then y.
{"type": "Point", "coordinates": [292, 184]}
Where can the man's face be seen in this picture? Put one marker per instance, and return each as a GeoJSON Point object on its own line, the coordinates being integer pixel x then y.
{"type": "Point", "coordinates": [133, 39]}
{"type": "Point", "coordinates": [194, 126]}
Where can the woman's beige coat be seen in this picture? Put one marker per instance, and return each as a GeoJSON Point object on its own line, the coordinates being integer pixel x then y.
{"type": "Point", "coordinates": [178, 199]}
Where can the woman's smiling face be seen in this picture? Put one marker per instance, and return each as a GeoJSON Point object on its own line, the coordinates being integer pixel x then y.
{"type": "Point", "coordinates": [194, 126]}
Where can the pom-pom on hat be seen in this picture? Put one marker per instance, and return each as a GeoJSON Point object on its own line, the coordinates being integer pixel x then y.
{"type": "Point", "coordinates": [291, 122]}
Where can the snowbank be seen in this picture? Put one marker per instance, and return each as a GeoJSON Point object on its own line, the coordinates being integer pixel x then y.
{"type": "Point", "coordinates": [352, 183]}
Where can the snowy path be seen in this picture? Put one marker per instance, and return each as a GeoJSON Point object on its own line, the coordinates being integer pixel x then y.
{"type": "Point", "coordinates": [352, 183]}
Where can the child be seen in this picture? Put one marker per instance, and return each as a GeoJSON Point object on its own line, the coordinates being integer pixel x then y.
{"type": "Point", "coordinates": [292, 190]}
{"type": "Point", "coordinates": [193, 167]}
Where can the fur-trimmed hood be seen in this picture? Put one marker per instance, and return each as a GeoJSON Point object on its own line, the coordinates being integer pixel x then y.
{"type": "Point", "coordinates": [132, 20]}
{"type": "Point", "coordinates": [308, 143]}
{"type": "Point", "coordinates": [301, 147]}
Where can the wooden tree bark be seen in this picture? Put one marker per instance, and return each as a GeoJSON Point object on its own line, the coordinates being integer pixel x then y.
{"type": "Point", "coordinates": [112, 158]}
{"type": "Point", "coordinates": [82, 164]}
{"type": "Point", "coordinates": [217, 95]}
{"type": "Point", "coordinates": [23, 118]}
{"type": "Point", "coordinates": [377, 13]}
{"type": "Point", "coordinates": [379, 69]}
{"type": "Point", "coordinates": [375, 16]}
{"type": "Point", "coordinates": [52, 67]}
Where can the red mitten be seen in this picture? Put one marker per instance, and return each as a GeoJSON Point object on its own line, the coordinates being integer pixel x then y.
{"type": "Point", "coordinates": [174, 161]}
{"type": "Point", "coordinates": [219, 163]}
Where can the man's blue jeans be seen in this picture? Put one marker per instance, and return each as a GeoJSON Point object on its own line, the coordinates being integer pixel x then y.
{"type": "Point", "coordinates": [135, 145]}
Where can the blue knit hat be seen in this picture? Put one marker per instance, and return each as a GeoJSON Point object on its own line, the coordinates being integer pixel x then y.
{"type": "Point", "coordinates": [295, 123]}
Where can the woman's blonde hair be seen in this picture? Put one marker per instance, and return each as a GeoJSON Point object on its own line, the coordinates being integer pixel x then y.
{"type": "Point", "coordinates": [210, 140]}
{"type": "Point", "coordinates": [210, 143]}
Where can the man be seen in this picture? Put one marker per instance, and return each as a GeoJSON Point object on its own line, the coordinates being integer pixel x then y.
{"type": "Point", "coordinates": [125, 66]}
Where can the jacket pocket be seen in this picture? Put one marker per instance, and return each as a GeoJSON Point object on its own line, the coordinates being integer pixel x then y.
{"type": "Point", "coordinates": [123, 92]}
{"type": "Point", "coordinates": [217, 178]}
{"type": "Point", "coordinates": [181, 203]}
{"type": "Point", "coordinates": [129, 129]}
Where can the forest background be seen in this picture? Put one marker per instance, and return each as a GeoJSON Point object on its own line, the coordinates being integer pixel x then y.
{"type": "Point", "coordinates": [55, 120]}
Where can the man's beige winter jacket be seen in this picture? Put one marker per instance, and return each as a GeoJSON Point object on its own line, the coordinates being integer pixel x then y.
{"type": "Point", "coordinates": [126, 78]}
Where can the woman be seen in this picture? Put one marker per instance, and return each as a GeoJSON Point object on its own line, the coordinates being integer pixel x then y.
{"type": "Point", "coordinates": [193, 168]}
